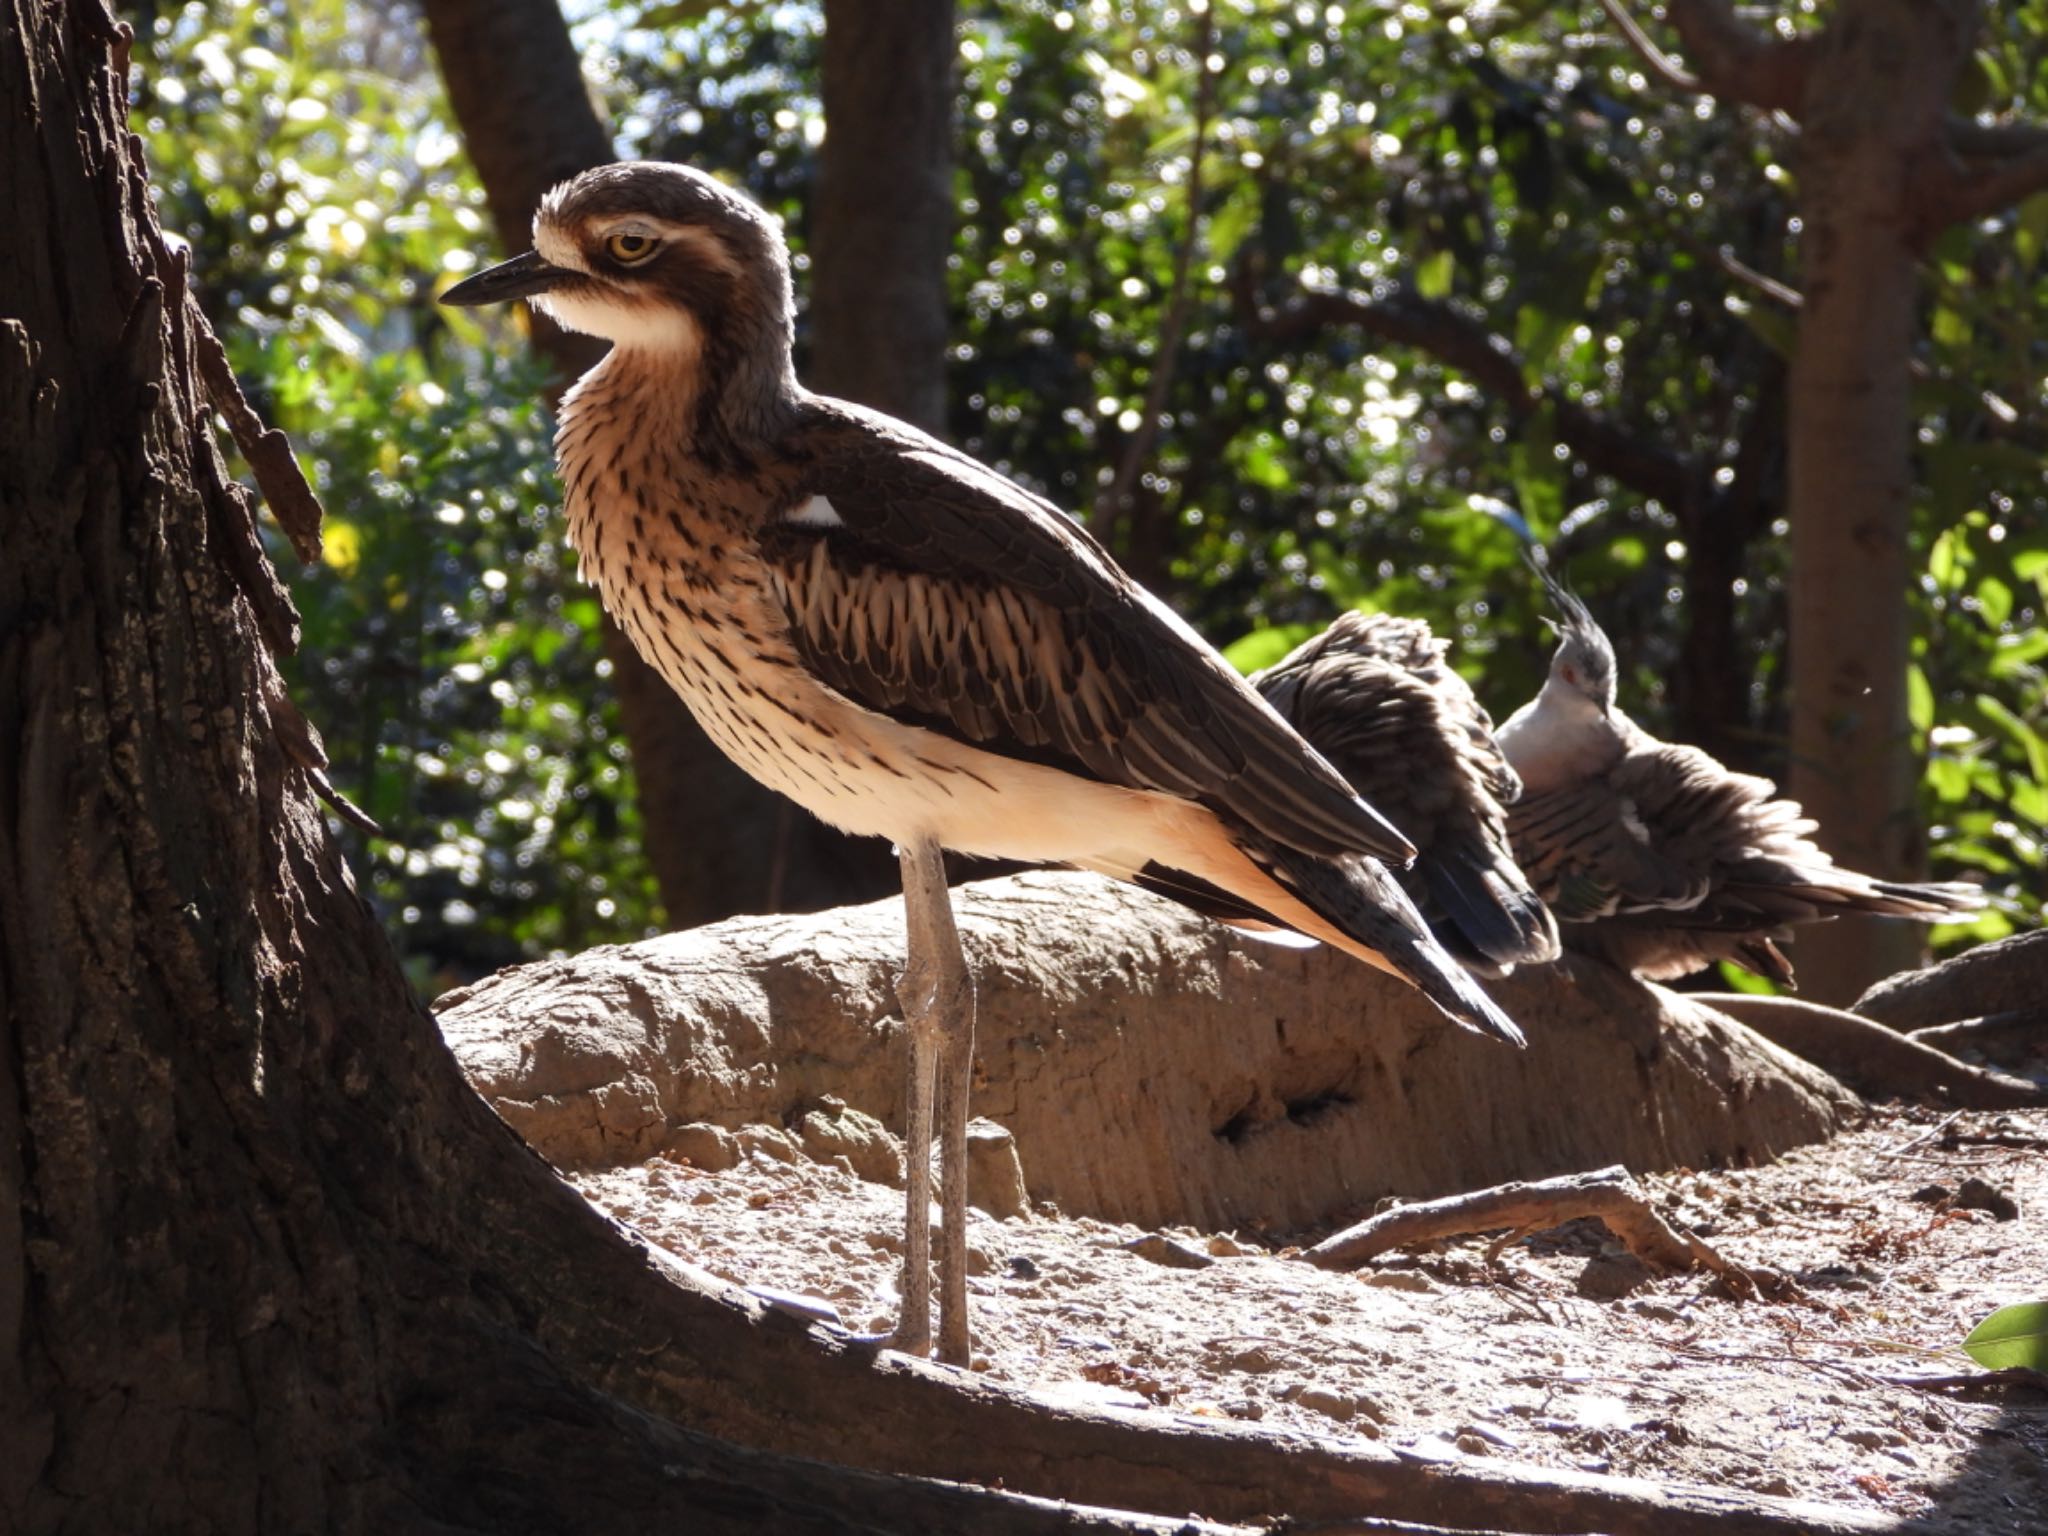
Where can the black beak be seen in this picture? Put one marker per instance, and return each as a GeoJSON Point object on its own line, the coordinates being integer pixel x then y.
{"type": "Point", "coordinates": [518, 278]}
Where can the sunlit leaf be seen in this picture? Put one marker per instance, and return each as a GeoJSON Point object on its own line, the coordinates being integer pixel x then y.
{"type": "Point", "coordinates": [1433, 275]}
{"type": "Point", "coordinates": [341, 545]}
{"type": "Point", "coordinates": [1919, 699]}
{"type": "Point", "coordinates": [1263, 647]}
{"type": "Point", "coordinates": [2012, 1336]}
{"type": "Point", "coordinates": [1994, 597]}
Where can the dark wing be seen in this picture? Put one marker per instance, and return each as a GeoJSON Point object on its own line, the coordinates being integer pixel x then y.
{"type": "Point", "coordinates": [939, 593]}
{"type": "Point", "coordinates": [1593, 850]}
{"type": "Point", "coordinates": [1706, 864]}
{"type": "Point", "coordinates": [1374, 695]}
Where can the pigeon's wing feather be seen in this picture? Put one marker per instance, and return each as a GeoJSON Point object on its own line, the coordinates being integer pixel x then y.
{"type": "Point", "coordinates": [1374, 695]}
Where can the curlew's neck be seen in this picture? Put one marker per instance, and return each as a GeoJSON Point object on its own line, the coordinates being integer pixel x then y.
{"type": "Point", "coordinates": [724, 393]}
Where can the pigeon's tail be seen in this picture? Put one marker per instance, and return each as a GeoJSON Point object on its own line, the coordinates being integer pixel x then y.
{"type": "Point", "coordinates": [1484, 898]}
{"type": "Point", "coordinates": [1363, 911]}
{"type": "Point", "coordinates": [1931, 901]}
{"type": "Point", "coordinates": [1824, 890]}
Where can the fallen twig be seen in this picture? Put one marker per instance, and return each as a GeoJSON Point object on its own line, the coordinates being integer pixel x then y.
{"type": "Point", "coordinates": [1926, 1136]}
{"type": "Point", "coordinates": [1610, 1195]}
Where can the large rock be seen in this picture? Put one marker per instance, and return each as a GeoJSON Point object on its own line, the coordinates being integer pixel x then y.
{"type": "Point", "coordinates": [1153, 1067]}
{"type": "Point", "coordinates": [2001, 977]}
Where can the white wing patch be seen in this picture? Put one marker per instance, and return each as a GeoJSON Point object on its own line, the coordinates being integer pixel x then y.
{"type": "Point", "coordinates": [815, 513]}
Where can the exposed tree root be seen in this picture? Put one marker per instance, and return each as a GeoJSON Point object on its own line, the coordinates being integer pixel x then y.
{"type": "Point", "coordinates": [1871, 1058]}
{"type": "Point", "coordinates": [1608, 1194]}
{"type": "Point", "coordinates": [2006, 1036]}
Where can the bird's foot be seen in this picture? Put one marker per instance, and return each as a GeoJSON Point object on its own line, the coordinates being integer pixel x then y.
{"type": "Point", "coordinates": [903, 1340]}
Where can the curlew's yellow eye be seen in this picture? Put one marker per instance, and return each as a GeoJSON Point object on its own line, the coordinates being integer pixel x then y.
{"type": "Point", "coordinates": [631, 249]}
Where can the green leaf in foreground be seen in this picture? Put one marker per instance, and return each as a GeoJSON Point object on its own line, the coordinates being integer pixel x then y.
{"type": "Point", "coordinates": [2015, 1335]}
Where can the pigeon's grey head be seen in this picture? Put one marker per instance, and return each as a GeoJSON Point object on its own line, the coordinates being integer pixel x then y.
{"type": "Point", "coordinates": [1584, 664]}
{"type": "Point", "coordinates": [654, 257]}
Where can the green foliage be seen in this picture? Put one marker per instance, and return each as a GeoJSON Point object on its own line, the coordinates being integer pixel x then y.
{"type": "Point", "coordinates": [1509, 167]}
{"type": "Point", "coordinates": [2011, 1336]}
{"type": "Point", "coordinates": [449, 658]}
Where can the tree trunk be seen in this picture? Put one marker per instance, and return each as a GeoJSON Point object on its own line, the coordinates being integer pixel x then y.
{"type": "Point", "coordinates": [1878, 87]}
{"type": "Point", "coordinates": [882, 216]}
{"type": "Point", "coordinates": [719, 843]}
{"type": "Point", "coordinates": [1711, 678]}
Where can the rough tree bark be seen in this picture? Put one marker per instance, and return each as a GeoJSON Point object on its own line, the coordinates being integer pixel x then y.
{"type": "Point", "coordinates": [1882, 169]}
{"type": "Point", "coordinates": [1874, 101]}
{"type": "Point", "coordinates": [719, 843]}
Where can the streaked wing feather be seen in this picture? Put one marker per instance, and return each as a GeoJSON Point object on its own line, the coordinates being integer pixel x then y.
{"type": "Point", "coordinates": [951, 598]}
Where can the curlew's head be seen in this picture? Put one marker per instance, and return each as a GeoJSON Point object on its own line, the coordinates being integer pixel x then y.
{"type": "Point", "coordinates": [655, 258]}
{"type": "Point", "coordinates": [1583, 667]}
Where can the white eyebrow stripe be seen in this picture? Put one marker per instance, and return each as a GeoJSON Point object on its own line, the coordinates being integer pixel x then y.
{"type": "Point", "coordinates": [815, 513]}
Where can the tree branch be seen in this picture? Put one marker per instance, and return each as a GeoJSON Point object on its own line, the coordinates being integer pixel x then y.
{"type": "Point", "coordinates": [1953, 193]}
{"type": "Point", "coordinates": [1733, 60]}
{"type": "Point", "coordinates": [1994, 141]}
{"type": "Point", "coordinates": [1488, 360]}
{"type": "Point", "coordinates": [1661, 64]}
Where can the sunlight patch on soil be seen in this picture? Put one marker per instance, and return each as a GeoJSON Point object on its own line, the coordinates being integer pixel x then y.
{"type": "Point", "coordinates": [1564, 1353]}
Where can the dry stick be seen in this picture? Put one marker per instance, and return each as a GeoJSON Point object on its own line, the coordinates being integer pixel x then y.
{"type": "Point", "coordinates": [1660, 63]}
{"type": "Point", "coordinates": [1869, 1057]}
{"type": "Point", "coordinates": [1924, 1137]}
{"type": "Point", "coordinates": [1115, 499]}
{"type": "Point", "coordinates": [1610, 1194]}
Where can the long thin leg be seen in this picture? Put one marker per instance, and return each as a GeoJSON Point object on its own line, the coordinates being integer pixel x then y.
{"type": "Point", "coordinates": [915, 991]}
{"type": "Point", "coordinates": [913, 1333]}
{"type": "Point", "coordinates": [938, 1007]}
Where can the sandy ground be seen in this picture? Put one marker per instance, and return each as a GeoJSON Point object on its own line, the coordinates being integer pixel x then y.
{"type": "Point", "coordinates": [1563, 1352]}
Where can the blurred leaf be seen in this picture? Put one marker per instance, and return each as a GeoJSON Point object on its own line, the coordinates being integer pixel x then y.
{"type": "Point", "coordinates": [2012, 1336]}
{"type": "Point", "coordinates": [1919, 699]}
{"type": "Point", "coordinates": [1773, 327]}
{"type": "Point", "coordinates": [1263, 647]}
{"type": "Point", "coordinates": [1994, 597]}
{"type": "Point", "coordinates": [341, 545]}
{"type": "Point", "coordinates": [1736, 979]}
{"type": "Point", "coordinates": [1433, 275]}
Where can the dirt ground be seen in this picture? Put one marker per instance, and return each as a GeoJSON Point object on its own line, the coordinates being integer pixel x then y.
{"type": "Point", "coordinates": [1563, 1352]}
